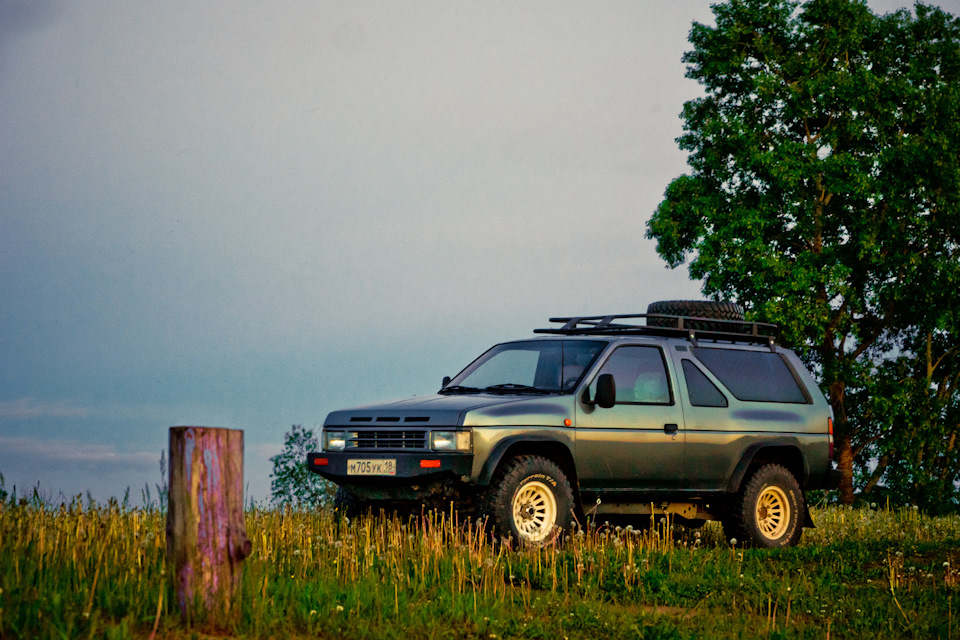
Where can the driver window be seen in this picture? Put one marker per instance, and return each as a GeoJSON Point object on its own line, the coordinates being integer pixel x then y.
{"type": "Point", "coordinates": [640, 375]}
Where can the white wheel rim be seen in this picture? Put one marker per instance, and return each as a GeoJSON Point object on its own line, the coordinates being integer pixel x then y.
{"type": "Point", "coordinates": [773, 513]}
{"type": "Point", "coordinates": [534, 511]}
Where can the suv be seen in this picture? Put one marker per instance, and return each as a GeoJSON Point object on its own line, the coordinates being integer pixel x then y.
{"type": "Point", "coordinates": [694, 413]}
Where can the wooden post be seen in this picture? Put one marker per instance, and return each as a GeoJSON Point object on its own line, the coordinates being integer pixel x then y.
{"type": "Point", "coordinates": [206, 535]}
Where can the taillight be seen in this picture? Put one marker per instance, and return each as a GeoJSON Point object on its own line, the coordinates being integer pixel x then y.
{"type": "Point", "coordinates": [830, 431]}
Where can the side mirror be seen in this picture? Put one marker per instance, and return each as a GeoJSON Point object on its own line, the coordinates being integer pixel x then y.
{"type": "Point", "coordinates": [446, 381]}
{"type": "Point", "coordinates": [606, 395]}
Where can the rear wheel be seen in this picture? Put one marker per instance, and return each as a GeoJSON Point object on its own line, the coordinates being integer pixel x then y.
{"type": "Point", "coordinates": [347, 504]}
{"type": "Point", "coordinates": [530, 500]}
{"type": "Point", "coordinates": [769, 510]}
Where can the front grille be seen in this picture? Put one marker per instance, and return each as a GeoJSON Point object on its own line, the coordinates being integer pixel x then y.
{"type": "Point", "coordinates": [414, 439]}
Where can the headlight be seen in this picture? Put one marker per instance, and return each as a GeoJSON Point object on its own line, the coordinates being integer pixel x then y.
{"type": "Point", "coordinates": [334, 440]}
{"type": "Point", "coordinates": [450, 440]}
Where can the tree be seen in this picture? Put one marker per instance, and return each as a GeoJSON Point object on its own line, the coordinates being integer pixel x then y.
{"type": "Point", "coordinates": [824, 196]}
{"type": "Point", "coordinates": [292, 483]}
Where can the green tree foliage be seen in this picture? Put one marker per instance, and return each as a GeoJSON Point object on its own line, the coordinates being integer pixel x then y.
{"type": "Point", "coordinates": [824, 195]}
{"type": "Point", "coordinates": [291, 482]}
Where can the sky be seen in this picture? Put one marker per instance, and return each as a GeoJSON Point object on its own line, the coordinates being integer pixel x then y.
{"type": "Point", "coordinates": [247, 214]}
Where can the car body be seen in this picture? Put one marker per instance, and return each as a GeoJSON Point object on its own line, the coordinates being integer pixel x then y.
{"type": "Point", "coordinates": [606, 417]}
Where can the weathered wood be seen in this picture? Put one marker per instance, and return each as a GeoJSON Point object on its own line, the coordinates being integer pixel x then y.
{"type": "Point", "coordinates": [206, 535]}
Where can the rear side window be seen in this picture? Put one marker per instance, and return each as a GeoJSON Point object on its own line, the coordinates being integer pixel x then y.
{"type": "Point", "coordinates": [702, 392]}
{"type": "Point", "coordinates": [756, 376]}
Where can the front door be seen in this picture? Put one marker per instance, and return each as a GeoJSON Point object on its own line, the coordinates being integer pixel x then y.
{"type": "Point", "coordinates": [639, 442]}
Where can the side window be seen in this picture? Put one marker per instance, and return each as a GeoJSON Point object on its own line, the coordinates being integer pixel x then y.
{"type": "Point", "coordinates": [702, 392]}
{"type": "Point", "coordinates": [640, 375]}
{"type": "Point", "coordinates": [756, 376]}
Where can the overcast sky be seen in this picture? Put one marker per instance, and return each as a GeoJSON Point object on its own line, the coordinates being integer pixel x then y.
{"type": "Point", "coordinates": [248, 214]}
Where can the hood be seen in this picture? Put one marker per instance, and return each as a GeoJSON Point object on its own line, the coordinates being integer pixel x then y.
{"type": "Point", "coordinates": [459, 409]}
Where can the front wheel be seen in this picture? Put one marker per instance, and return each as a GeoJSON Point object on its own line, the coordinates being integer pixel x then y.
{"type": "Point", "coordinates": [769, 511]}
{"type": "Point", "coordinates": [530, 500]}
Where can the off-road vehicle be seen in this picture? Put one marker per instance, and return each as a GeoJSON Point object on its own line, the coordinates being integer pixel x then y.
{"type": "Point", "coordinates": [686, 410]}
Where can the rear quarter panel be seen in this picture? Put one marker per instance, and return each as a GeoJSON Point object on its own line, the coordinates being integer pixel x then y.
{"type": "Point", "coordinates": [717, 438]}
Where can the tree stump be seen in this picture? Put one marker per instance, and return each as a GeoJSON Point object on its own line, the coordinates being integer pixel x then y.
{"type": "Point", "coordinates": [206, 535]}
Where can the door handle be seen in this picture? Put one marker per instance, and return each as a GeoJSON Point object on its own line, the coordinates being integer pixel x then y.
{"type": "Point", "coordinates": [671, 428]}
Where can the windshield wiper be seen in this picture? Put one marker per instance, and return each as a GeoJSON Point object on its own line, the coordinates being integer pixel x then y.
{"type": "Point", "coordinates": [516, 388]}
{"type": "Point", "coordinates": [460, 389]}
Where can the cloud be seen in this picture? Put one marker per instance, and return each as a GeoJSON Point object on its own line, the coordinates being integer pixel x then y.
{"type": "Point", "coordinates": [31, 408]}
{"type": "Point", "coordinates": [65, 451]}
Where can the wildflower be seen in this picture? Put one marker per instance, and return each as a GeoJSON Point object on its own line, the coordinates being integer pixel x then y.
{"type": "Point", "coordinates": [296, 552]}
{"type": "Point", "coordinates": [339, 608]}
{"type": "Point", "coordinates": [733, 542]}
{"type": "Point", "coordinates": [946, 565]}
{"type": "Point", "coordinates": [313, 612]}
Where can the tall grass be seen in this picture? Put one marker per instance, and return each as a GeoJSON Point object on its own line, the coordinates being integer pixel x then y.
{"type": "Point", "coordinates": [86, 570]}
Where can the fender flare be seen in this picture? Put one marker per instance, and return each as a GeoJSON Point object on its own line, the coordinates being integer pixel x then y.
{"type": "Point", "coordinates": [501, 448]}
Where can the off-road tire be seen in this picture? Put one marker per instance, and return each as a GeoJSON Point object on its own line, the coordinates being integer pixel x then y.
{"type": "Point", "coordinates": [696, 309]}
{"type": "Point", "coordinates": [769, 511]}
{"type": "Point", "coordinates": [529, 500]}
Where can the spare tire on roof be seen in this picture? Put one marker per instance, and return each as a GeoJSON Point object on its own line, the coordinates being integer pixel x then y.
{"type": "Point", "coordinates": [695, 309]}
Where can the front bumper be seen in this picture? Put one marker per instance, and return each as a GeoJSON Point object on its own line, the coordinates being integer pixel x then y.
{"type": "Point", "coordinates": [424, 464]}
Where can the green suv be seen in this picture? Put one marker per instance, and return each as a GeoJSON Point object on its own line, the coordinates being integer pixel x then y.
{"type": "Point", "coordinates": [686, 410]}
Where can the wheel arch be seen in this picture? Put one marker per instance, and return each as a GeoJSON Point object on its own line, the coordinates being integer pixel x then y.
{"type": "Point", "coordinates": [762, 453]}
{"type": "Point", "coordinates": [547, 447]}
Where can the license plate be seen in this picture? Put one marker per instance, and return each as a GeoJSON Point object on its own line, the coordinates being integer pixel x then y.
{"type": "Point", "coordinates": [371, 467]}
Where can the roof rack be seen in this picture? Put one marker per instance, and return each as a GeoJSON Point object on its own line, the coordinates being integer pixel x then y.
{"type": "Point", "coordinates": [674, 326]}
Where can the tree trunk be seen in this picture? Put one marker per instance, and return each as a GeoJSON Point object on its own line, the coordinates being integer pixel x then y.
{"type": "Point", "coordinates": [845, 465]}
{"type": "Point", "coordinates": [206, 535]}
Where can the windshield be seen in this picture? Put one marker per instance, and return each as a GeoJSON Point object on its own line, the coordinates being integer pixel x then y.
{"type": "Point", "coordinates": [533, 366]}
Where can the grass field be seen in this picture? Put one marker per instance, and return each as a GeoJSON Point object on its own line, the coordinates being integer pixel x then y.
{"type": "Point", "coordinates": [89, 571]}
